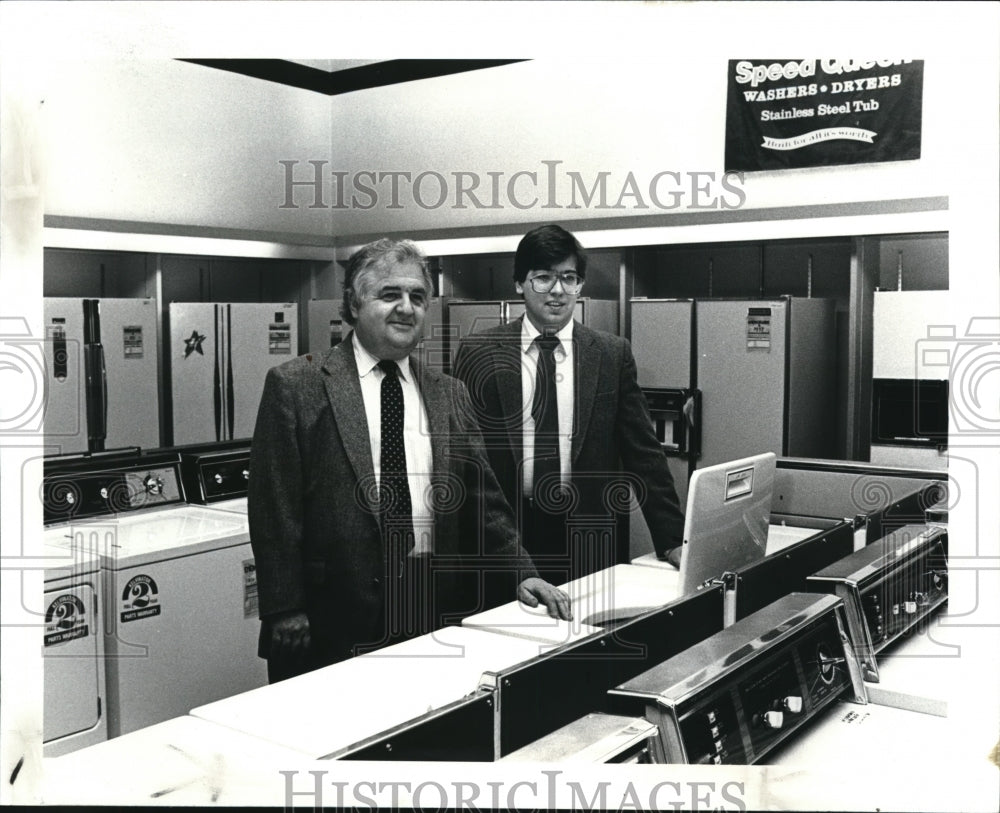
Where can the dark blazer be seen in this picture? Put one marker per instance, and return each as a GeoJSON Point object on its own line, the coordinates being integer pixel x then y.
{"type": "Point", "coordinates": [313, 505]}
{"type": "Point", "coordinates": [612, 432]}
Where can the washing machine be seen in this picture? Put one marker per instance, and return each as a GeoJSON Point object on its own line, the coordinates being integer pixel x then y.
{"type": "Point", "coordinates": [73, 652]}
{"type": "Point", "coordinates": [180, 595]}
{"type": "Point", "coordinates": [181, 762]}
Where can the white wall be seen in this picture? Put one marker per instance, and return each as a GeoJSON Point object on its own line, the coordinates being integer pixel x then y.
{"type": "Point", "coordinates": [641, 115]}
{"type": "Point", "coordinates": [162, 141]}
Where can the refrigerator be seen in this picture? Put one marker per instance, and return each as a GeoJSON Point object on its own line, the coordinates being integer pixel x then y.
{"type": "Point", "coordinates": [219, 356]}
{"type": "Point", "coordinates": [913, 345]}
{"type": "Point", "coordinates": [765, 370]}
{"type": "Point", "coordinates": [102, 387]}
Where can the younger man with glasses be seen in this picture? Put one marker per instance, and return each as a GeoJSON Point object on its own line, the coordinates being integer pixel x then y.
{"type": "Point", "coordinates": [566, 427]}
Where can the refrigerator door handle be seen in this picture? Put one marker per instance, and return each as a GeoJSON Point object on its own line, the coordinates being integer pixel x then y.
{"type": "Point", "coordinates": [217, 380]}
{"type": "Point", "coordinates": [103, 427]}
{"type": "Point", "coordinates": [230, 398]}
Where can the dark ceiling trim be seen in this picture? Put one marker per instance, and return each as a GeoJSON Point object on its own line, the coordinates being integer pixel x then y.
{"type": "Point", "coordinates": [333, 83]}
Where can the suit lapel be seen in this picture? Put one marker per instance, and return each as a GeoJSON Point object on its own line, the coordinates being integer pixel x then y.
{"type": "Point", "coordinates": [586, 371]}
{"type": "Point", "coordinates": [506, 361]}
{"type": "Point", "coordinates": [438, 409]}
{"type": "Point", "coordinates": [344, 391]}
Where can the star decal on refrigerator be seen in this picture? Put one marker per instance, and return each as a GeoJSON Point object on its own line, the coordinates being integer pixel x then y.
{"type": "Point", "coordinates": [193, 344]}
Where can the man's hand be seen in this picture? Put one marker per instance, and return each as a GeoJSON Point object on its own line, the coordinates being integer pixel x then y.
{"type": "Point", "coordinates": [289, 634]}
{"type": "Point", "coordinates": [534, 591]}
{"type": "Point", "coordinates": [672, 556]}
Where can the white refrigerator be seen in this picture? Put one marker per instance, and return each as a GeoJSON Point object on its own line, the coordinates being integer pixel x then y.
{"type": "Point", "coordinates": [102, 370]}
{"type": "Point", "coordinates": [219, 356]}
{"type": "Point", "coordinates": [766, 370]}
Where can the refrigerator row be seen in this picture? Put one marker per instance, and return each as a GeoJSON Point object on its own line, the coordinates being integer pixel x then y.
{"type": "Point", "coordinates": [104, 371]}
{"type": "Point", "coordinates": [724, 378]}
{"type": "Point", "coordinates": [104, 384]}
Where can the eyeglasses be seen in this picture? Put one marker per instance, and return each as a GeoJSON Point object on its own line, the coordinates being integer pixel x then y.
{"type": "Point", "coordinates": [545, 281]}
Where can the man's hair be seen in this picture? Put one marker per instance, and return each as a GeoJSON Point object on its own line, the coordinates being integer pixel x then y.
{"type": "Point", "coordinates": [378, 255]}
{"type": "Point", "coordinates": [544, 247]}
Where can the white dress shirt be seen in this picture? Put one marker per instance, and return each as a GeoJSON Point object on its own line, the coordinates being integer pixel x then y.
{"type": "Point", "coordinates": [563, 355]}
{"type": "Point", "coordinates": [416, 439]}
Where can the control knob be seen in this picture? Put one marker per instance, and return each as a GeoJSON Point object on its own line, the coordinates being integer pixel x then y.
{"type": "Point", "coordinates": [218, 479]}
{"type": "Point", "coordinates": [773, 719]}
{"type": "Point", "coordinates": [70, 498]}
{"type": "Point", "coordinates": [246, 474]}
{"type": "Point", "coordinates": [792, 704]}
{"type": "Point", "coordinates": [153, 484]}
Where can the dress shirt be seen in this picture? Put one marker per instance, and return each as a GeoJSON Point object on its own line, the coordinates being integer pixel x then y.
{"type": "Point", "coordinates": [416, 439]}
{"type": "Point", "coordinates": [563, 355]}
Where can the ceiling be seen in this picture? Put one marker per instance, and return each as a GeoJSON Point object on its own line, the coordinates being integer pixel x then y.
{"type": "Point", "coordinates": [333, 77]}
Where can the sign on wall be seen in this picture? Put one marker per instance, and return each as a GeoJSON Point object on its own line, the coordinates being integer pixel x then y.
{"type": "Point", "coordinates": [786, 114]}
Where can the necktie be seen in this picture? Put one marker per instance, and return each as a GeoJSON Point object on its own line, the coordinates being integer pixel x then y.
{"type": "Point", "coordinates": [394, 488]}
{"type": "Point", "coordinates": [545, 411]}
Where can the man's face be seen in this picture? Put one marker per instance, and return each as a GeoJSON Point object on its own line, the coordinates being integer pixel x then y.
{"type": "Point", "coordinates": [390, 317]}
{"type": "Point", "coordinates": [553, 310]}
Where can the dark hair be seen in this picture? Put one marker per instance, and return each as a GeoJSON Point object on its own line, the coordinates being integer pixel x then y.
{"type": "Point", "coordinates": [378, 254]}
{"type": "Point", "coordinates": [544, 247]}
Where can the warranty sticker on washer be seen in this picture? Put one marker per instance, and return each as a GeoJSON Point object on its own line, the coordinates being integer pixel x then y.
{"type": "Point", "coordinates": [140, 599]}
{"type": "Point", "coordinates": [251, 607]}
{"type": "Point", "coordinates": [65, 619]}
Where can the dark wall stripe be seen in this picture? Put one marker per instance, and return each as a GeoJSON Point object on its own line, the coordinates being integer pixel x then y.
{"type": "Point", "coordinates": [334, 83]}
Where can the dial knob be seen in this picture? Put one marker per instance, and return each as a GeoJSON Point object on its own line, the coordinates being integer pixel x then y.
{"type": "Point", "coordinates": [246, 474]}
{"type": "Point", "coordinates": [793, 704]}
{"type": "Point", "coordinates": [70, 498]}
{"type": "Point", "coordinates": [153, 484]}
{"type": "Point", "coordinates": [218, 479]}
{"type": "Point", "coordinates": [104, 493]}
{"type": "Point", "coordinates": [773, 719]}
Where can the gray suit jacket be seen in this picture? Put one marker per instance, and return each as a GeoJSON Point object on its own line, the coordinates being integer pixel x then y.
{"type": "Point", "coordinates": [612, 431]}
{"type": "Point", "coordinates": [314, 520]}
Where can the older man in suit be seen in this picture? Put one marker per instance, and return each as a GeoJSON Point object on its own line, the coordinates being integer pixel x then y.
{"type": "Point", "coordinates": [371, 492]}
{"type": "Point", "coordinates": [562, 416]}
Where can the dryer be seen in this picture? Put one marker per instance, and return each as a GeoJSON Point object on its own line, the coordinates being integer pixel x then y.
{"type": "Point", "coordinates": [74, 707]}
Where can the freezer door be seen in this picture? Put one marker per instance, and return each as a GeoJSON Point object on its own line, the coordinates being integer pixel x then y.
{"type": "Point", "coordinates": [65, 401]}
{"type": "Point", "coordinates": [129, 337]}
{"type": "Point", "coordinates": [325, 325]}
{"type": "Point", "coordinates": [661, 342]}
{"type": "Point", "coordinates": [434, 348]}
{"type": "Point", "coordinates": [196, 369]}
{"type": "Point", "coordinates": [262, 336]}
{"type": "Point", "coordinates": [741, 375]}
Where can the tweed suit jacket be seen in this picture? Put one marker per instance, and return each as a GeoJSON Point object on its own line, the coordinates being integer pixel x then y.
{"type": "Point", "coordinates": [613, 441]}
{"type": "Point", "coordinates": [313, 505]}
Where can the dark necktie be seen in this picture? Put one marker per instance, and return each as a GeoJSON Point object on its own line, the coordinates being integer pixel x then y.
{"type": "Point", "coordinates": [394, 488]}
{"type": "Point", "coordinates": [545, 412]}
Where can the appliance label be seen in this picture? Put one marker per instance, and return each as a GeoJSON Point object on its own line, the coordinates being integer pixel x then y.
{"type": "Point", "coordinates": [132, 341]}
{"type": "Point", "coordinates": [759, 329]}
{"type": "Point", "coordinates": [279, 339]}
{"type": "Point", "coordinates": [140, 599]}
{"type": "Point", "coordinates": [250, 604]}
{"type": "Point", "coordinates": [65, 620]}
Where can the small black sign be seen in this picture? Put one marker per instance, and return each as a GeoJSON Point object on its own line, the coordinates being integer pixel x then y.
{"type": "Point", "coordinates": [791, 113]}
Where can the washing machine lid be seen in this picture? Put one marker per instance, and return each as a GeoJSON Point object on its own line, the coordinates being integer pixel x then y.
{"type": "Point", "coordinates": [142, 538]}
{"type": "Point", "coordinates": [66, 562]}
{"type": "Point", "coordinates": [238, 506]}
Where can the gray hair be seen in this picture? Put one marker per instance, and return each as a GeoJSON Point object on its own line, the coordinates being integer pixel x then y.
{"type": "Point", "coordinates": [380, 254]}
